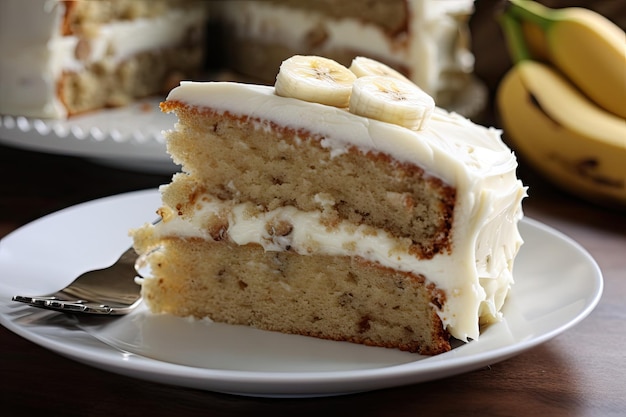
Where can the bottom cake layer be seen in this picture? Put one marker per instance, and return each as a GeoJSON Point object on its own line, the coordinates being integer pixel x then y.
{"type": "Point", "coordinates": [103, 84]}
{"type": "Point", "coordinates": [337, 298]}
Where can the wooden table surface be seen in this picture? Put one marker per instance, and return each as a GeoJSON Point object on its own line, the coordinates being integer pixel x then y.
{"type": "Point", "coordinates": [579, 373]}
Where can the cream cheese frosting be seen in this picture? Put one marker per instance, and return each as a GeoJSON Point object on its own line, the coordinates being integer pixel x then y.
{"type": "Point", "coordinates": [434, 47]}
{"type": "Point", "coordinates": [476, 275]}
{"type": "Point", "coordinates": [35, 53]}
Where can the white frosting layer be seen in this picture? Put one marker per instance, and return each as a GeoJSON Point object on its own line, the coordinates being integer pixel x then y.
{"type": "Point", "coordinates": [476, 276]}
{"type": "Point", "coordinates": [431, 47]}
{"type": "Point", "coordinates": [35, 54]}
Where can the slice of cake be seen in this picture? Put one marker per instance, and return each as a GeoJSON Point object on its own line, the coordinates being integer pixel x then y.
{"type": "Point", "coordinates": [427, 40]}
{"type": "Point", "coordinates": [61, 58]}
{"type": "Point", "coordinates": [398, 229]}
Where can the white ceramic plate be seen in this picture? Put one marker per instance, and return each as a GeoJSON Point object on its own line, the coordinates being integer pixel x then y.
{"type": "Point", "coordinates": [127, 137]}
{"type": "Point", "coordinates": [131, 137]}
{"type": "Point", "coordinates": [551, 294]}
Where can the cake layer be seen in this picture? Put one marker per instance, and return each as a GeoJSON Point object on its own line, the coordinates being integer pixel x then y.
{"type": "Point", "coordinates": [337, 298]}
{"type": "Point", "coordinates": [147, 73]}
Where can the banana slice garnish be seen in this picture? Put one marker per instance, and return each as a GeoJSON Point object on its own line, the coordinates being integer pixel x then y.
{"type": "Point", "coordinates": [391, 100]}
{"type": "Point", "coordinates": [315, 79]}
{"type": "Point", "coordinates": [362, 66]}
{"type": "Point", "coordinates": [369, 88]}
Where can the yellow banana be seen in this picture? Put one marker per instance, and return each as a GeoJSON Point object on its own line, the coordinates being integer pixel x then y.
{"type": "Point", "coordinates": [315, 79]}
{"type": "Point", "coordinates": [588, 48]}
{"type": "Point", "coordinates": [391, 100]}
{"type": "Point", "coordinates": [567, 138]}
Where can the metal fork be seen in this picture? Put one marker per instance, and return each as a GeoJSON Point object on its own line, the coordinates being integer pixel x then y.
{"type": "Point", "coordinates": [108, 291]}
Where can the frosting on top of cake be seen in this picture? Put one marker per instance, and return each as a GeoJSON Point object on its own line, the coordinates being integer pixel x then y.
{"type": "Point", "coordinates": [450, 146]}
{"type": "Point", "coordinates": [475, 276]}
{"type": "Point", "coordinates": [35, 53]}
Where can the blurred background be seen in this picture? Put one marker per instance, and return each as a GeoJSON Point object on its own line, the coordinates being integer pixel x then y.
{"type": "Point", "coordinates": [492, 59]}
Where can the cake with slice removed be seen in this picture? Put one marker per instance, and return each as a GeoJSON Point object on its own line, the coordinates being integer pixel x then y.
{"type": "Point", "coordinates": [335, 205]}
{"type": "Point", "coordinates": [63, 58]}
{"type": "Point", "coordinates": [69, 57]}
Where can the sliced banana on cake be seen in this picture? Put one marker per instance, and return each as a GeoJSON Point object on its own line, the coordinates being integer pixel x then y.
{"type": "Point", "coordinates": [362, 66]}
{"type": "Point", "coordinates": [315, 79]}
{"type": "Point", "coordinates": [391, 100]}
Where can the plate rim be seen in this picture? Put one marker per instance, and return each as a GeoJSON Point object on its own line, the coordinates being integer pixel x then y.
{"type": "Point", "coordinates": [298, 383]}
{"type": "Point", "coordinates": [134, 142]}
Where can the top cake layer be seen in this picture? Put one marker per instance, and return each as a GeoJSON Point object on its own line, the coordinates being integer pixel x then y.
{"type": "Point", "coordinates": [476, 272]}
{"type": "Point", "coordinates": [452, 147]}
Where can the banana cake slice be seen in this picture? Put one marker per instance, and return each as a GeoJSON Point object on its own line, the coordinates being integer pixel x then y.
{"type": "Point", "coordinates": [299, 217]}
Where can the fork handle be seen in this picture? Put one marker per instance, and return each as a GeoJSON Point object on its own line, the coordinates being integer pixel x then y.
{"type": "Point", "coordinates": [77, 306]}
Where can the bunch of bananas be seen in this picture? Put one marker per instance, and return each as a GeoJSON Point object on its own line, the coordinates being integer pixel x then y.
{"type": "Point", "coordinates": [563, 103]}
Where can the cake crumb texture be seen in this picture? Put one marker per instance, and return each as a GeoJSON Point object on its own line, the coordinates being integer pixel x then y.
{"type": "Point", "coordinates": [230, 157]}
{"type": "Point", "coordinates": [336, 298]}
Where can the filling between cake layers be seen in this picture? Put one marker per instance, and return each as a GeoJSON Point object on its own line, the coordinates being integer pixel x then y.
{"type": "Point", "coordinates": [67, 65]}
{"type": "Point", "coordinates": [233, 218]}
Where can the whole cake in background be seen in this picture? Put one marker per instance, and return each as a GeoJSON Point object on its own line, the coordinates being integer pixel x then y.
{"type": "Point", "coordinates": [61, 58]}
{"type": "Point", "coordinates": [339, 203]}
{"type": "Point", "coordinates": [427, 40]}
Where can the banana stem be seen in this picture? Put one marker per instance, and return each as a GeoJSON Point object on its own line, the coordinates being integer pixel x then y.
{"type": "Point", "coordinates": [514, 38]}
{"type": "Point", "coordinates": [531, 11]}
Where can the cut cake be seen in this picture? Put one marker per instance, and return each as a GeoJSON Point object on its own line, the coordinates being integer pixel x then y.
{"type": "Point", "coordinates": [66, 57]}
{"type": "Point", "coordinates": [305, 218]}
